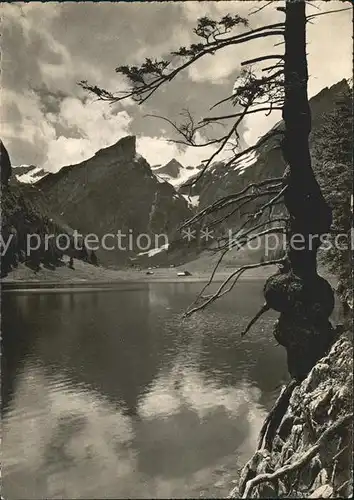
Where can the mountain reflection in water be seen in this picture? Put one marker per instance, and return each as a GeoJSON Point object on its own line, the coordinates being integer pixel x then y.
{"type": "Point", "coordinates": [110, 394]}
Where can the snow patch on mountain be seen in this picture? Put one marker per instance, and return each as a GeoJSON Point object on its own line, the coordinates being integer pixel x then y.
{"type": "Point", "coordinates": [28, 174]}
{"type": "Point", "coordinates": [160, 179]}
{"type": "Point", "coordinates": [154, 251]}
{"type": "Point", "coordinates": [245, 161]}
{"type": "Point", "coordinates": [193, 201]}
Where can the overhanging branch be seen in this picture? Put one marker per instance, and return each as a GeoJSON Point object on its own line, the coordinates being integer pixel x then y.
{"type": "Point", "coordinates": [236, 275]}
{"type": "Point", "coordinates": [239, 196]}
{"type": "Point", "coordinates": [235, 115]}
{"type": "Point", "coordinates": [142, 90]}
{"type": "Point", "coordinates": [262, 58]}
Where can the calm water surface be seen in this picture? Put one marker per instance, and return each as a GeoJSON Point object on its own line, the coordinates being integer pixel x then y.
{"type": "Point", "coordinates": [110, 394]}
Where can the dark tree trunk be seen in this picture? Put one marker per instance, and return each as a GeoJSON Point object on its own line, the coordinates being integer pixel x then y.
{"type": "Point", "coordinates": [304, 299]}
{"type": "Point", "coordinates": [310, 216]}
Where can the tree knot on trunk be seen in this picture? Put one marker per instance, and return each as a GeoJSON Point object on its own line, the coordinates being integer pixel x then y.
{"type": "Point", "coordinates": [303, 328]}
{"type": "Point", "coordinates": [312, 296]}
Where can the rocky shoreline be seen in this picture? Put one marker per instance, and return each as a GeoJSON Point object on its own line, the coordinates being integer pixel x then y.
{"type": "Point", "coordinates": [83, 272]}
{"type": "Point", "coordinates": [312, 451]}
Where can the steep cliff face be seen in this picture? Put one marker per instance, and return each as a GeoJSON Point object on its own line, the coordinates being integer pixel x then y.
{"type": "Point", "coordinates": [25, 224]}
{"type": "Point", "coordinates": [311, 455]}
{"type": "Point", "coordinates": [114, 191]}
{"type": "Point", "coordinates": [265, 161]}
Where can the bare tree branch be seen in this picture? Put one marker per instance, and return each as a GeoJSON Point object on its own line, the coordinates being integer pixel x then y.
{"type": "Point", "coordinates": [227, 117]}
{"type": "Point", "coordinates": [221, 203]}
{"type": "Point", "coordinates": [312, 16]}
{"type": "Point", "coordinates": [270, 202]}
{"type": "Point", "coordinates": [239, 243]}
{"type": "Point", "coordinates": [210, 278]}
{"type": "Point", "coordinates": [254, 84]}
{"type": "Point", "coordinates": [256, 317]}
{"type": "Point", "coordinates": [143, 90]}
{"type": "Point", "coordinates": [236, 274]}
{"type": "Point", "coordinates": [221, 147]}
{"type": "Point", "coordinates": [227, 216]}
{"type": "Point", "coordinates": [188, 131]}
{"type": "Point", "coordinates": [275, 66]}
{"type": "Point", "coordinates": [260, 8]}
{"type": "Point", "coordinates": [244, 152]}
{"type": "Point", "coordinates": [262, 58]}
{"type": "Point", "coordinates": [227, 250]}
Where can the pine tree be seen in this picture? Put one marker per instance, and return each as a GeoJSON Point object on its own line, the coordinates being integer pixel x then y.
{"type": "Point", "coordinates": [304, 300]}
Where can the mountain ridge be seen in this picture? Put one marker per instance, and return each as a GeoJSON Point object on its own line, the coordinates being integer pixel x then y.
{"type": "Point", "coordinates": [113, 191]}
{"type": "Point", "coordinates": [265, 159]}
{"type": "Point", "coordinates": [116, 189]}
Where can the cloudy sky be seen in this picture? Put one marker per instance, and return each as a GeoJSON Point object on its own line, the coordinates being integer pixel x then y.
{"type": "Point", "coordinates": [48, 120]}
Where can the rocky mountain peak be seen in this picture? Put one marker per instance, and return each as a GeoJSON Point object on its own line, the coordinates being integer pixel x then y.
{"type": "Point", "coordinates": [124, 148]}
{"type": "Point", "coordinates": [113, 191]}
{"type": "Point", "coordinates": [174, 163]}
{"type": "Point", "coordinates": [326, 99]}
{"type": "Point", "coordinates": [172, 168]}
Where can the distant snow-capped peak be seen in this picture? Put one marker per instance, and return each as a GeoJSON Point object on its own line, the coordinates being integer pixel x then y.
{"type": "Point", "coordinates": [177, 175]}
{"type": "Point", "coordinates": [174, 173]}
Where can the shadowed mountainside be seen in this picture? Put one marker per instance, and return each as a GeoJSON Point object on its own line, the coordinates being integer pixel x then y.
{"type": "Point", "coordinates": [25, 222]}
{"type": "Point", "coordinates": [115, 191]}
{"type": "Point", "coordinates": [263, 163]}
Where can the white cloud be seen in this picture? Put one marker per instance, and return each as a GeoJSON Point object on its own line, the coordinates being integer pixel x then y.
{"type": "Point", "coordinates": [329, 46]}
{"type": "Point", "coordinates": [219, 67]}
{"type": "Point", "coordinates": [31, 126]}
{"type": "Point", "coordinates": [97, 126]}
{"type": "Point", "coordinates": [194, 10]}
{"type": "Point", "coordinates": [156, 150]}
{"type": "Point", "coordinates": [328, 62]}
{"type": "Point", "coordinates": [53, 46]}
{"type": "Point", "coordinates": [258, 124]}
{"type": "Point", "coordinates": [215, 68]}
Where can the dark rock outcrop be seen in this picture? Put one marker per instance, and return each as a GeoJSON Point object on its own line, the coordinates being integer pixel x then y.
{"type": "Point", "coordinates": [5, 165]}
{"type": "Point", "coordinates": [312, 453]}
{"type": "Point", "coordinates": [23, 224]}
{"type": "Point", "coordinates": [28, 230]}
